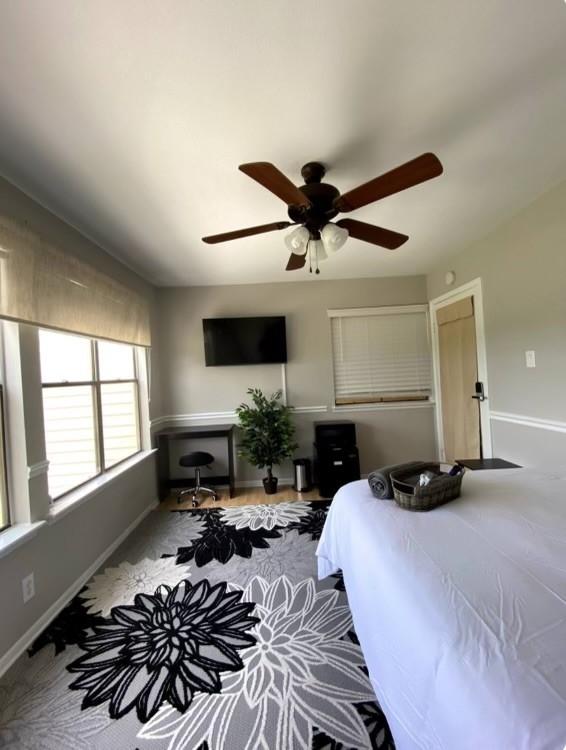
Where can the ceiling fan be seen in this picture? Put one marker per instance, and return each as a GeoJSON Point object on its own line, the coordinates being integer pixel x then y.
{"type": "Point", "coordinates": [314, 204]}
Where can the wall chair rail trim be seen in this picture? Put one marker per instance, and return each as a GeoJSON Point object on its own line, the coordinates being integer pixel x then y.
{"type": "Point", "coordinates": [221, 416]}
{"type": "Point", "coordinates": [521, 419]}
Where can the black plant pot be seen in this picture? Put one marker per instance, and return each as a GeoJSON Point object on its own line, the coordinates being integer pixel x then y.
{"type": "Point", "coordinates": [270, 485]}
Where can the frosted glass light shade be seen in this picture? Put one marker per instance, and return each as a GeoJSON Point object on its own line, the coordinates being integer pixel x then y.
{"type": "Point", "coordinates": [333, 236]}
{"type": "Point", "coordinates": [297, 240]}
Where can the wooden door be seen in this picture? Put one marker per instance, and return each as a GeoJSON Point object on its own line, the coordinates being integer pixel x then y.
{"type": "Point", "coordinates": [458, 376]}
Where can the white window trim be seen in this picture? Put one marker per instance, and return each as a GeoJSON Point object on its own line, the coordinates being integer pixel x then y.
{"type": "Point", "coordinates": [385, 406]}
{"type": "Point", "coordinates": [350, 312]}
{"type": "Point", "coordinates": [139, 379]}
{"type": "Point", "coordinates": [17, 534]}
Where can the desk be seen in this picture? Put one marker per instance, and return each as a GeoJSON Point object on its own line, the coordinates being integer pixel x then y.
{"type": "Point", "coordinates": [164, 438]}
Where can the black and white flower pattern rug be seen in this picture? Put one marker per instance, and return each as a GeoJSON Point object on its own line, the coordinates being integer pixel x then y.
{"type": "Point", "coordinates": [206, 630]}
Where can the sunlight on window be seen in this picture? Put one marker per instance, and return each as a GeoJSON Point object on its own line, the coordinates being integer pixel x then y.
{"type": "Point", "coordinates": [115, 361]}
{"type": "Point", "coordinates": [119, 421]}
{"type": "Point", "coordinates": [69, 437]}
{"type": "Point", "coordinates": [4, 508]}
{"type": "Point", "coordinates": [90, 407]}
{"type": "Point", "coordinates": [64, 358]}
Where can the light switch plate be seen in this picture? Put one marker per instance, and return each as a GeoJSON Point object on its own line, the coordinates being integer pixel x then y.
{"type": "Point", "coordinates": [28, 587]}
{"type": "Point", "coordinates": [530, 359]}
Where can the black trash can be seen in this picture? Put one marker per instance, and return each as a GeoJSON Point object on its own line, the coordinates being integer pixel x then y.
{"type": "Point", "coordinates": [302, 467]}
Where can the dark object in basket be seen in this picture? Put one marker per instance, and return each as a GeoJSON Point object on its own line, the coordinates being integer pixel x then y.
{"type": "Point", "coordinates": [441, 489]}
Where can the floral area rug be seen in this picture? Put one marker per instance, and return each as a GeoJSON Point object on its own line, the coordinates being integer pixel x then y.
{"type": "Point", "coordinates": [206, 630]}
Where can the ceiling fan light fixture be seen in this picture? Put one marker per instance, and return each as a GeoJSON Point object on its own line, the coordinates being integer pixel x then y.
{"type": "Point", "coordinates": [333, 236]}
{"type": "Point", "coordinates": [318, 250]}
{"type": "Point", "coordinates": [297, 240]}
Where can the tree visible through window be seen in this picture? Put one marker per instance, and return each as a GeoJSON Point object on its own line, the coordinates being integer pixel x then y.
{"type": "Point", "coordinates": [90, 407]}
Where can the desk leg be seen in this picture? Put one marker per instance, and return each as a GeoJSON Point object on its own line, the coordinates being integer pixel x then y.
{"type": "Point", "coordinates": [163, 466]}
{"type": "Point", "coordinates": [232, 478]}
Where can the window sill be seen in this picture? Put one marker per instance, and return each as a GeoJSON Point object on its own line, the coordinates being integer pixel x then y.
{"type": "Point", "coordinates": [77, 497]}
{"type": "Point", "coordinates": [384, 406]}
{"type": "Point", "coordinates": [16, 535]}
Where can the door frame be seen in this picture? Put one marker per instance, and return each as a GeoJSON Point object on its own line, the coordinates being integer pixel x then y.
{"type": "Point", "coordinates": [471, 289]}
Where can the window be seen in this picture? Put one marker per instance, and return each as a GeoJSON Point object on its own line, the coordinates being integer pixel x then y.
{"type": "Point", "coordinates": [380, 354]}
{"type": "Point", "coordinates": [4, 499]}
{"type": "Point", "coordinates": [4, 506]}
{"type": "Point", "coordinates": [90, 407]}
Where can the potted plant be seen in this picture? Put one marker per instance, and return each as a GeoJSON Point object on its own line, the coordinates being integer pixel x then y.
{"type": "Point", "coordinates": [267, 433]}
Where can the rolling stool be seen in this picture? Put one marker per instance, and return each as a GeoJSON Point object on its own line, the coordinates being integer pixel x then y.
{"type": "Point", "coordinates": [196, 460]}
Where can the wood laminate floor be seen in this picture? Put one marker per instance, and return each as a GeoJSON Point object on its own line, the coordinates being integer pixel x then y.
{"type": "Point", "coordinates": [248, 496]}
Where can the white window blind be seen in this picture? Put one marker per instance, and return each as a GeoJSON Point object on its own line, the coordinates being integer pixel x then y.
{"type": "Point", "coordinates": [381, 354]}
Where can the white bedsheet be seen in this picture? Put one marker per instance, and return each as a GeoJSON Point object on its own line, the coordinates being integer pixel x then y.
{"type": "Point", "coordinates": [461, 611]}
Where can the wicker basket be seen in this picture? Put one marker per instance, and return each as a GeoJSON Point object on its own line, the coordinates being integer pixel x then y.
{"type": "Point", "coordinates": [410, 496]}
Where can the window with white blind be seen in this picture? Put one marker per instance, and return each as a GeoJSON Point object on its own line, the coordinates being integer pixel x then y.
{"type": "Point", "coordinates": [4, 499]}
{"type": "Point", "coordinates": [90, 407]}
{"type": "Point", "coordinates": [381, 354]}
{"type": "Point", "coordinates": [4, 505]}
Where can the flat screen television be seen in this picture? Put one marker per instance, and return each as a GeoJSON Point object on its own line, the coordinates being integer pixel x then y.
{"type": "Point", "coordinates": [244, 341]}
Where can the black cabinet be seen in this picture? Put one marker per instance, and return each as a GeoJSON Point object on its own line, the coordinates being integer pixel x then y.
{"type": "Point", "coordinates": [336, 456]}
{"type": "Point", "coordinates": [335, 466]}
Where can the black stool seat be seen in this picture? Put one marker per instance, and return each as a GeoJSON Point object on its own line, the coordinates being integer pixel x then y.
{"type": "Point", "coordinates": [196, 458]}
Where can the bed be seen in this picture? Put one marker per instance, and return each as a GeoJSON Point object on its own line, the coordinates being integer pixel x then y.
{"type": "Point", "coordinates": [461, 611]}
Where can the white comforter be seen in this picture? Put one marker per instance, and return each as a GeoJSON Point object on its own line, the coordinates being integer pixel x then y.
{"type": "Point", "coordinates": [461, 611]}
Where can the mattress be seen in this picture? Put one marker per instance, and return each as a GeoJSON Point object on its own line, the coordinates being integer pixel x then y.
{"type": "Point", "coordinates": [461, 611]}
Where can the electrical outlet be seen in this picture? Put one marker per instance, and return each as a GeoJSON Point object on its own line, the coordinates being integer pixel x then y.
{"type": "Point", "coordinates": [530, 359]}
{"type": "Point", "coordinates": [28, 587]}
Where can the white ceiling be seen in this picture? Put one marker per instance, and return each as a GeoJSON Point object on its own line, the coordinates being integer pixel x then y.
{"type": "Point", "coordinates": [129, 119]}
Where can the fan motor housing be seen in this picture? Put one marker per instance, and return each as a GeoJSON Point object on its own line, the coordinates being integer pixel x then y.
{"type": "Point", "coordinates": [320, 194]}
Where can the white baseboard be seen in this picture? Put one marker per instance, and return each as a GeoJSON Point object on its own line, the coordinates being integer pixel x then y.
{"type": "Point", "coordinates": [258, 482]}
{"type": "Point", "coordinates": [32, 633]}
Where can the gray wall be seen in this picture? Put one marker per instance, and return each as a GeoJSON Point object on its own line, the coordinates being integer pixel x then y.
{"type": "Point", "coordinates": [61, 552]}
{"type": "Point", "coordinates": [523, 270]}
{"type": "Point", "coordinates": [188, 387]}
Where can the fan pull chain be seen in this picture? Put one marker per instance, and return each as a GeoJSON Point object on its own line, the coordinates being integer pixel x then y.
{"type": "Point", "coordinates": [310, 256]}
{"type": "Point", "coordinates": [316, 251]}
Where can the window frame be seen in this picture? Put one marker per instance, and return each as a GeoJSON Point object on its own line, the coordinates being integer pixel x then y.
{"type": "Point", "coordinates": [4, 461]}
{"type": "Point", "coordinates": [388, 399]}
{"type": "Point", "coordinates": [96, 389]}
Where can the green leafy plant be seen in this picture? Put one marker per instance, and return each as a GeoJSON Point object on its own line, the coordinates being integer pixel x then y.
{"type": "Point", "coordinates": [267, 431]}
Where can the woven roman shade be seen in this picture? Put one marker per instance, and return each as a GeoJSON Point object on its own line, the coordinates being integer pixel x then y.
{"type": "Point", "coordinates": [42, 285]}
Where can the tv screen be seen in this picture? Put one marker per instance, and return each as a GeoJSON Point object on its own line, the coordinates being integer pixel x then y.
{"type": "Point", "coordinates": [244, 341]}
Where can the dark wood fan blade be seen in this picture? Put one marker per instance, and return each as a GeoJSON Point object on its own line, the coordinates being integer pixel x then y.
{"type": "Point", "coordinates": [423, 168]}
{"type": "Point", "coordinates": [370, 233]}
{"type": "Point", "coordinates": [271, 178]}
{"type": "Point", "coordinates": [295, 262]}
{"type": "Point", "coordinates": [214, 238]}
